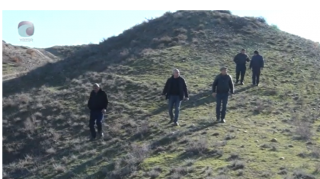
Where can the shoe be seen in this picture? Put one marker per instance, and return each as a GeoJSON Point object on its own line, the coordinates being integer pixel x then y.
{"type": "Point", "coordinates": [257, 84]}
{"type": "Point", "coordinates": [241, 83]}
{"type": "Point", "coordinates": [237, 82]}
{"type": "Point", "coordinates": [222, 121]}
{"type": "Point", "coordinates": [218, 119]}
{"type": "Point", "coordinates": [100, 135]}
{"type": "Point", "coordinates": [253, 84]}
{"type": "Point", "coordinates": [92, 138]}
{"type": "Point", "coordinates": [171, 121]}
{"type": "Point", "coordinates": [176, 124]}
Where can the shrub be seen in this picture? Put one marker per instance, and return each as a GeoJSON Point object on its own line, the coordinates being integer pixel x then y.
{"type": "Point", "coordinates": [261, 19]}
{"type": "Point", "coordinates": [275, 27]}
{"type": "Point", "coordinates": [224, 11]}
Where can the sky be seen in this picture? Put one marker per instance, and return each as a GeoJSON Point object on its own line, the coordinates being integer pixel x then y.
{"type": "Point", "coordinates": [83, 27]}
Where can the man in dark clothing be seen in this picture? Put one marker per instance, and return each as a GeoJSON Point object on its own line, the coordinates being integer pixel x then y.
{"type": "Point", "coordinates": [256, 64]}
{"type": "Point", "coordinates": [98, 103]}
{"type": "Point", "coordinates": [175, 90]}
{"type": "Point", "coordinates": [221, 87]}
{"type": "Point", "coordinates": [241, 59]}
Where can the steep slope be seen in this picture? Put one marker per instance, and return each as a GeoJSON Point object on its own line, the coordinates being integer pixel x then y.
{"type": "Point", "coordinates": [271, 132]}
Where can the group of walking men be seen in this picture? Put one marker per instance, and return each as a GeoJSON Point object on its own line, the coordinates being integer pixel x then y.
{"type": "Point", "coordinates": [175, 91]}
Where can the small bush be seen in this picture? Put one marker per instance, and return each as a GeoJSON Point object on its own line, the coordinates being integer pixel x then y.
{"type": "Point", "coordinates": [237, 165]}
{"type": "Point", "coordinates": [275, 27]}
{"type": "Point", "coordinates": [315, 152]}
{"type": "Point", "coordinates": [153, 173]}
{"type": "Point", "coordinates": [224, 11]}
{"type": "Point", "coordinates": [198, 147]}
{"type": "Point", "coordinates": [59, 168]}
{"type": "Point", "coordinates": [317, 169]}
{"type": "Point", "coordinates": [301, 174]}
{"type": "Point", "coordinates": [261, 19]}
{"type": "Point", "coordinates": [303, 130]}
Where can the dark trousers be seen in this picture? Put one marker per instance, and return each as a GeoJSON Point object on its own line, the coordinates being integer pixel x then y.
{"type": "Point", "coordinates": [95, 117]}
{"type": "Point", "coordinates": [240, 70]}
{"type": "Point", "coordinates": [174, 101]}
{"type": "Point", "coordinates": [255, 77]}
{"type": "Point", "coordinates": [221, 98]}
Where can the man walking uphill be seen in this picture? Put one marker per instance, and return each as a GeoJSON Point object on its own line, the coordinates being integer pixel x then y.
{"type": "Point", "coordinates": [221, 87]}
{"type": "Point", "coordinates": [240, 59]}
{"type": "Point", "coordinates": [98, 103]}
{"type": "Point", "coordinates": [175, 90]}
{"type": "Point", "coordinates": [256, 64]}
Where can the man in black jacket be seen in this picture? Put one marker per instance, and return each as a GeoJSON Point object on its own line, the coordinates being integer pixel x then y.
{"type": "Point", "coordinates": [240, 59]}
{"type": "Point", "coordinates": [98, 103]}
{"type": "Point", "coordinates": [256, 64]}
{"type": "Point", "coordinates": [221, 87]}
{"type": "Point", "coordinates": [175, 90]}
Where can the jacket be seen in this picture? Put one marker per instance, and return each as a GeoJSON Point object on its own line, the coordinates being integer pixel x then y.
{"type": "Point", "coordinates": [183, 91]}
{"type": "Point", "coordinates": [223, 84]}
{"type": "Point", "coordinates": [257, 62]}
{"type": "Point", "coordinates": [241, 59]}
{"type": "Point", "coordinates": [98, 101]}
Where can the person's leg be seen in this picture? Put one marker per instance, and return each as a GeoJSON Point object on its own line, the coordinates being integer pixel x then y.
{"type": "Point", "coordinates": [91, 125]}
{"type": "Point", "coordinates": [253, 77]}
{"type": "Point", "coordinates": [218, 106]}
{"type": "Point", "coordinates": [177, 108]}
{"type": "Point", "coordinates": [224, 106]}
{"type": "Point", "coordinates": [237, 74]}
{"type": "Point", "coordinates": [258, 77]}
{"type": "Point", "coordinates": [243, 72]}
{"type": "Point", "coordinates": [170, 103]}
{"type": "Point", "coordinates": [99, 118]}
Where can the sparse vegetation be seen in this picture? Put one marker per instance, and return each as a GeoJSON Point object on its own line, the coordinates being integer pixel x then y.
{"type": "Point", "coordinates": [45, 118]}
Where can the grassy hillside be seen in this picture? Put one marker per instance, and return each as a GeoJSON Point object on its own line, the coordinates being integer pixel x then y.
{"type": "Point", "coordinates": [19, 60]}
{"type": "Point", "coordinates": [272, 131]}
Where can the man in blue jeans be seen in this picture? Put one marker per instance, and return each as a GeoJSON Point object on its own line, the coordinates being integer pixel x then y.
{"type": "Point", "coordinates": [175, 90]}
{"type": "Point", "coordinates": [221, 87]}
{"type": "Point", "coordinates": [98, 103]}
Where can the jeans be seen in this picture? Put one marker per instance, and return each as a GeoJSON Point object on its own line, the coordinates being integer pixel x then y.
{"type": "Point", "coordinates": [240, 70]}
{"type": "Point", "coordinates": [174, 100]}
{"type": "Point", "coordinates": [255, 77]}
{"type": "Point", "coordinates": [221, 98]}
{"type": "Point", "coordinates": [95, 117]}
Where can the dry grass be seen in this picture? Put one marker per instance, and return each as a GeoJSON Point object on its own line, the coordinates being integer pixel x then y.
{"type": "Point", "coordinates": [46, 119]}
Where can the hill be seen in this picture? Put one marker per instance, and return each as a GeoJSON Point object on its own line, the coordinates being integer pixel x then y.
{"type": "Point", "coordinates": [19, 60]}
{"type": "Point", "coordinates": [272, 131]}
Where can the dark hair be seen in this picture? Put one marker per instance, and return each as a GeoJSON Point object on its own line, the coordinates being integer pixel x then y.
{"type": "Point", "coordinates": [223, 68]}
{"type": "Point", "coordinates": [243, 49]}
{"type": "Point", "coordinates": [256, 52]}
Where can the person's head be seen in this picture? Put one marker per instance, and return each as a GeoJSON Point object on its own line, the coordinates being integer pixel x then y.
{"type": "Point", "coordinates": [224, 70]}
{"type": "Point", "coordinates": [256, 53]}
{"type": "Point", "coordinates": [96, 87]}
{"type": "Point", "coordinates": [243, 51]}
{"type": "Point", "coordinates": [176, 73]}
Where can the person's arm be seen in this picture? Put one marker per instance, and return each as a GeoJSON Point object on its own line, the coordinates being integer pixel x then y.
{"type": "Point", "coordinates": [214, 85]}
{"type": "Point", "coordinates": [89, 101]}
{"type": "Point", "coordinates": [262, 62]}
{"type": "Point", "coordinates": [165, 89]}
{"type": "Point", "coordinates": [251, 63]}
{"type": "Point", "coordinates": [231, 85]}
{"type": "Point", "coordinates": [235, 59]}
{"type": "Point", "coordinates": [105, 97]}
{"type": "Point", "coordinates": [185, 89]}
{"type": "Point", "coordinates": [247, 59]}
